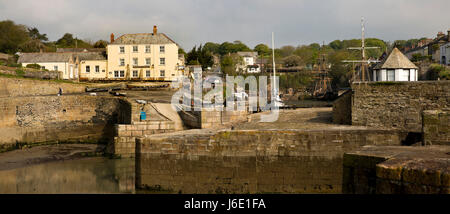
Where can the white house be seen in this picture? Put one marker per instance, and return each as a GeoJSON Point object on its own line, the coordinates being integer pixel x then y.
{"type": "Point", "coordinates": [249, 65]}
{"type": "Point", "coordinates": [445, 54]}
{"type": "Point", "coordinates": [396, 67]}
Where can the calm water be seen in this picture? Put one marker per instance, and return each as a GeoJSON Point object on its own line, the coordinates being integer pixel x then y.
{"type": "Point", "coordinates": [165, 174]}
{"type": "Point", "coordinates": [91, 175]}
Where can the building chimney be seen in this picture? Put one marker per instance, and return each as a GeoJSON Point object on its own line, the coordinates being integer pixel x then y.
{"type": "Point", "coordinates": [448, 35]}
{"type": "Point", "coordinates": [112, 37]}
{"type": "Point", "coordinates": [155, 30]}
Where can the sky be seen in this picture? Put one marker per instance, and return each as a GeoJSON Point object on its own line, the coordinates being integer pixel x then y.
{"type": "Point", "coordinates": [193, 22]}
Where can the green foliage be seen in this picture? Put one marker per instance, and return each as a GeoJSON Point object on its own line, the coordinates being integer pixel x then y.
{"type": "Point", "coordinates": [444, 75]}
{"type": "Point", "coordinates": [212, 47]}
{"type": "Point", "coordinates": [262, 49]}
{"type": "Point", "coordinates": [35, 66]}
{"type": "Point", "coordinates": [12, 36]}
{"type": "Point", "coordinates": [13, 64]}
{"type": "Point", "coordinates": [100, 44]}
{"type": "Point", "coordinates": [227, 47]}
{"type": "Point", "coordinates": [200, 56]}
{"type": "Point", "coordinates": [436, 71]}
{"type": "Point", "coordinates": [181, 51]}
{"type": "Point", "coordinates": [292, 61]}
{"type": "Point", "coordinates": [418, 57]}
{"type": "Point", "coordinates": [295, 80]}
{"type": "Point", "coordinates": [287, 50]}
{"type": "Point", "coordinates": [67, 41]}
{"type": "Point", "coordinates": [229, 62]}
{"type": "Point", "coordinates": [20, 72]}
{"type": "Point", "coordinates": [35, 35]}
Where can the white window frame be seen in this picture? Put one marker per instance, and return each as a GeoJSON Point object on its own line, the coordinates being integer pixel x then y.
{"type": "Point", "coordinates": [97, 69]}
{"type": "Point", "coordinates": [162, 72]}
{"type": "Point", "coordinates": [148, 61]}
{"type": "Point", "coordinates": [162, 49]}
{"type": "Point", "coordinates": [162, 61]}
{"type": "Point", "coordinates": [147, 73]}
{"type": "Point", "coordinates": [121, 73]}
{"type": "Point", "coordinates": [135, 72]}
{"type": "Point", "coordinates": [121, 49]}
{"type": "Point", "coordinates": [387, 75]}
{"type": "Point", "coordinates": [55, 68]}
{"type": "Point", "coordinates": [135, 61]}
{"type": "Point", "coordinates": [148, 49]}
{"type": "Point", "coordinates": [120, 62]}
{"type": "Point", "coordinates": [116, 74]}
{"type": "Point", "coordinates": [137, 49]}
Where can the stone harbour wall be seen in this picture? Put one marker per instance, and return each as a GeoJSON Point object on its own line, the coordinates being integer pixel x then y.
{"type": "Point", "coordinates": [397, 104]}
{"type": "Point", "coordinates": [397, 170]}
{"type": "Point", "coordinates": [214, 119]}
{"type": "Point", "coordinates": [436, 127]}
{"type": "Point", "coordinates": [40, 119]}
{"type": "Point", "coordinates": [10, 87]}
{"type": "Point", "coordinates": [124, 143]}
{"type": "Point", "coordinates": [251, 161]}
{"type": "Point", "coordinates": [342, 111]}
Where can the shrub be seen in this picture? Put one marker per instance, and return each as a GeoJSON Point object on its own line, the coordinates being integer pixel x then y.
{"type": "Point", "coordinates": [13, 64]}
{"type": "Point", "coordinates": [35, 66]}
{"type": "Point", "coordinates": [20, 72]}
{"type": "Point", "coordinates": [445, 75]}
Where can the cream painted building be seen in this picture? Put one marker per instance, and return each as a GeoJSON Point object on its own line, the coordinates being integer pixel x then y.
{"type": "Point", "coordinates": [143, 56]}
{"type": "Point", "coordinates": [73, 66]}
{"type": "Point", "coordinates": [92, 66]}
{"type": "Point", "coordinates": [62, 62]}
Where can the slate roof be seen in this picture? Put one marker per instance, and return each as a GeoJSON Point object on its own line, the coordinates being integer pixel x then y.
{"type": "Point", "coordinates": [143, 38]}
{"type": "Point", "coordinates": [396, 60]}
{"type": "Point", "coordinates": [247, 53]}
{"type": "Point", "coordinates": [80, 49]}
{"type": "Point", "coordinates": [44, 57]}
{"type": "Point", "coordinates": [59, 57]}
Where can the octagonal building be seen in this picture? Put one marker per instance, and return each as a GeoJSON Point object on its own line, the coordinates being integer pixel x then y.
{"type": "Point", "coordinates": [396, 67]}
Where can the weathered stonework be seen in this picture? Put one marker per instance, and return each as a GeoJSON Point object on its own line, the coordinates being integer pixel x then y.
{"type": "Point", "coordinates": [71, 118]}
{"type": "Point", "coordinates": [397, 170]}
{"type": "Point", "coordinates": [342, 111]}
{"type": "Point", "coordinates": [397, 104]}
{"type": "Point", "coordinates": [124, 143]}
{"type": "Point", "coordinates": [436, 127]}
{"type": "Point", "coordinates": [10, 87]}
{"type": "Point", "coordinates": [251, 161]}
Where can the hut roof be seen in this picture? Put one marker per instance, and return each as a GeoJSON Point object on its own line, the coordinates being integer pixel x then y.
{"type": "Point", "coordinates": [396, 60]}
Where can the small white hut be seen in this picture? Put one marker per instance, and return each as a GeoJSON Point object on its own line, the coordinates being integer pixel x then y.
{"type": "Point", "coordinates": [396, 67]}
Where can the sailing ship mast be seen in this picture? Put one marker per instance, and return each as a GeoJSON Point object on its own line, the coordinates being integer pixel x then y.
{"type": "Point", "coordinates": [276, 98]}
{"type": "Point", "coordinates": [363, 48]}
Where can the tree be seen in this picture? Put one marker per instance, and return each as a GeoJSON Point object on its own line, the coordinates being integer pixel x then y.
{"type": "Point", "coordinates": [200, 56]}
{"type": "Point", "coordinates": [292, 61]}
{"type": "Point", "coordinates": [262, 49]}
{"type": "Point", "coordinates": [100, 44]}
{"type": "Point", "coordinates": [286, 50]}
{"type": "Point", "coordinates": [34, 34]}
{"type": "Point", "coordinates": [212, 47]}
{"type": "Point", "coordinates": [12, 36]}
{"type": "Point", "coordinates": [336, 45]}
{"type": "Point", "coordinates": [66, 41]}
{"type": "Point", "coordinates": [181, 51]}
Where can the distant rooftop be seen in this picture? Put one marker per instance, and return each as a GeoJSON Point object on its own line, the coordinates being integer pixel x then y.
{"type": "Point", "coordinates": [144, 38]}
{"type": "Point", "coordinates": [59, 57]}
{"type": "Point", "coordinates": [247, 53]}
{"type": "Point", "coordinates": [396, 60]}
{"type": "Point", "coordinates": [61, 50]}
